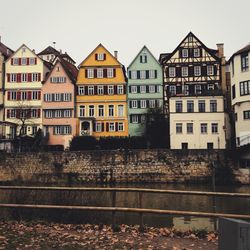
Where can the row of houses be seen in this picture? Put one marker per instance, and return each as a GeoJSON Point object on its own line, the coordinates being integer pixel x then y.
{"type": "Point", "coordinates": [205, 98]}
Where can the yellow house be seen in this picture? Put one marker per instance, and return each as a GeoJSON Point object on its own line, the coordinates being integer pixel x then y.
{"type": "Point", "coordinates": [101, 95]}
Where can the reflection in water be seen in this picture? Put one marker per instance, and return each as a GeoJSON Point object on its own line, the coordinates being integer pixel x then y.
{"type": "Point", "coordinates": [157, 201]}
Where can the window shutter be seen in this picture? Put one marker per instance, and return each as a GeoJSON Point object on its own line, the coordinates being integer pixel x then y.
{"type": "Point", "coordinates": [115, 89]}
{"type": "Point", "coordinates": [105, 90]}
{"type": "Point", "coordinates": [29, 95]}
{"type": "Point", "coordinates": [94, 124]}
{"type": "Point", "coordinates": [146, 59]}
{"type": "Point", "coordinates": [147, 103]}
{"type": "Point", "coordinates": [105, 73]}
{"type": "Point", "coordinates": [39, 77]}
{"type": "Point", "coordinates": [140, 59]}
{"type": "Point", "coordinates": [107, 126]}
{"type": "Point", "coordinates": [147, 74]}
{"type": "Point", "coordinates": [215, 70]}
{"type": "Point", "coordinates": [28, 61]}
{"type": "Point", "coordinates": [130, 104]}
{"type": "Point", "coordinates": [104, 56]}
{"type": "Point", "coordinates": [139, 104]}
{"type": "Point", "coordinates": [86, 73]}
{"type": "Point", "coordinates": [190, 52]}
{"type": "Point", "coordinates": [129, 89]}
{"type": "Point", "coordinates": [19, 61]}
{"type": "Point", "coordinates": [178, 71]}
{"type": "Point", "coordinates": [138, 74]}
{"type": "Point", "coordinates": [114, 72]}
{"type": "Point", "coordinates": [8, 77]}
{"type": "Point", "coordinates": [139, 118]}
{"type": "Point", "coordinates": [18, 96]}
{"type": "Point", "coordinates": [138, 89]}
{"type": "Point", "coordinates": [155, 73]}
{"type": "Point", "coordinates": [35, 60]}
{"type": "Point", "coordinates": [39, 95]}
{"type": "Point", "coordinates": [8, 95]}
{"type": "Point", "coordinates": [18, 77]}
{"type": "Point", "coordinates": [38, 113]}
{"type": "Point", "coordinates": [17, 113]}
{"type": "Point", "coordinates": [129, 74]}
{"type": "Point", "coordinates": [130, 118]}
{"type": "Point", "coordinates": [11, 61]}
{"type": "Point", "coordinates": [29, 77]}
{"type": "Point", "coordinates": [203, 70]}
{"type": "Point", "coordinates": [147, 89]}
{"type": "Point", "coordinates": [124, 89]}
{"type": "Point", "coordinates": [103, 127]}
{"type": "Point", "coordinates": [8, 113]}
{"type": "Point", "coordinates": [191, 71]}
{"type": "Point", "coordinates": [96, 57]}
{"type": "Point", "coordinates": [116, 126]}
{"type": "Point", "coordinates": [62, 97]}
{"type": "Point", "coordinates": [95, 73]}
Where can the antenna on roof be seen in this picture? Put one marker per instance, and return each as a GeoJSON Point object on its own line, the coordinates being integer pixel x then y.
{"type": "Point", "coordinates": [54, 44]}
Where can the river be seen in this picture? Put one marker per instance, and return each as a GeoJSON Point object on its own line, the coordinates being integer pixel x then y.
{"type": "Point", "coordinates": [158, 201]}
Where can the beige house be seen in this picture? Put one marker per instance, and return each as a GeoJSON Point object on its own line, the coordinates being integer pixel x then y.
{"type": "Point", "coordinates": [240, 81]}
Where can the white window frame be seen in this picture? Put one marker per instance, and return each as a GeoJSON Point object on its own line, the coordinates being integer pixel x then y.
{"type": "Point", "coordinates": [91, 90]}
{"type": "Point", "coordinates": [135, 119]}
{"type": "Point", "coordinates": [197, 89]}
{"type": "Point", "coordinates": [110, 89]}
{"type": "Point", "coordinates": [99, 73]}
{"type": "Point", "coordinates": [133, 74]}
{"type": "Point", "coordinates": [151, 103]}
{"type": "Point", "coordinates": [111, 110]}
{"type": "Point", "coordinates": [13, 77]}
{"type": "Point", "coordinates": [120, 110]}
{"type": "Point", "coordinates": [90, 73]}
{"type": "Point", "coordinates": [67, 113]}
{"type": "Point", "coordinates": [196, 52]}
{"type": "Point", "coordinates": [143, 89]}
{"type": "Point", "coordinates": [98, 127]}
{"type": "Point", "coordinates": [142, 74]}
{"type": "Point", "coordinates": [197, 70]}
{"type": "Point", "coordinates": [91, 110]}
{"type": "Point", "coordinates": [111, 127]}
{"type": "Point", "coordinates": [81, 90]}
{"type": "Point", "coordinates": [210, 70]}
{"type": "Point", "coordinates": [133, 89]}
{"type": "Point", "coordinates": [214, 128]}
{"type": "Point", "coordinates": [101, 110]}
{"type": "Point", "coordinates": [184, 71]}
{"type": "Point", "coordinates": [151, 88]}
{"type": "Point", "coordinates": [184, 53]}
{"type": "Point", "coordinates": [110, 73]}
{"type": "Point", "coordinates": [203, 128]}
{"type": "Point", "coordinates": [15, 61]}
{"type": "Point", "coordinates": [100, 90]}
{"type": "Point", "coordinates": [23, 61]}
{"type": "Point", "coordinates": [82, 111]}
{"type": "Point", "coordinates": [32, 60]}
{"type": "Point", "coordinates": [151, 74]}
{"type": "Point", "coordinates": [143, 104]}
{"type": "Point", "coordinates": [120, 126]}
{"type": "Point", "coordinates": [172, 71]}
{"type": "Point", "coordinates": [34, 77]}
{"type": "Point", "coordinates": [100, 57]}
{"type": "Point", "coordinates": [57, 97]}
{"type": "Point", "coordinates": [134, 104]}
{"type": "Point", "coordinates": [120, 90]}
{"type": "Point", "coordinates": [24, 77]}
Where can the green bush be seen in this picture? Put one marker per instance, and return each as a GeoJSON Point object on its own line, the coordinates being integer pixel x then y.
{"type": "Point", "coordinates": [83, 143]}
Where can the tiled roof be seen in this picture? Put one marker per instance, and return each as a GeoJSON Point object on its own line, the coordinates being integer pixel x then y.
{"type": "Point", "coordinates": [70, 69]}
{"type": "Point", "coordinates": [49, 50]}
{"type": "Point", "coordinates": [7, 52]}
{"type": "Point", "coordinates": [162, 56]}
{"type": "Point", "coordinates": [241, 51]}
{"type": "Point", "coordinates": [65, 55]}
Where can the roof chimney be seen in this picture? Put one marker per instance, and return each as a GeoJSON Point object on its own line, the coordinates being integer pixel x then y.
{"type": "Point", "coordinates": [60, 51]}
{"type": "Point", "coordinates": [116, 54]}
{"type": "Point", "coordinates": [220, 48]}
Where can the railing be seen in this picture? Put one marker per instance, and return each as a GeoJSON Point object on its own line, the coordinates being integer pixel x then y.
{"type": "Point", "coordinates": [139, 210]}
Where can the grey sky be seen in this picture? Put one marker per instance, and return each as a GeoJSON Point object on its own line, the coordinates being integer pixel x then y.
{"type": "Point", "coordinates": [78, 26]}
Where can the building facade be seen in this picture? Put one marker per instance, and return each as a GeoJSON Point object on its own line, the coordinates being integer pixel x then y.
{"type": "Point", "coordinates": [58, 104]}
{"type": "Point", "coordinates": [193, 96]}
{"type": "Point", "coordinates": [240, 81]}
{"type": "Point", "coordinates": [145, 90]}
{"type": "Point", "coordinates": [25, 72]}
{"type": "Point", "coordinates": [101, 95]}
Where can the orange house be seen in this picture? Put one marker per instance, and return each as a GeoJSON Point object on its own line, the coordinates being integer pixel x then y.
{"type": "Point", "coordinates": [101, 95]}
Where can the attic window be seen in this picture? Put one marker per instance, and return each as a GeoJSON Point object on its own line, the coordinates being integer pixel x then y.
{"type": "Point", "coordinates": [190, 39]}
{"type": "Point", "coordinates": [185, 53]}
{"type": "Point", "coordinates": [57, 69]}
{"type": "Point", "coordinates": [100, 57]}
{"type": "Point", "coordinates": [23, 49]}
{"type": "Point", "coordinates": [143, 58]}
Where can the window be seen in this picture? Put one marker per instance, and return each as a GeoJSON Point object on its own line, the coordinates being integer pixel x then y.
{"type": "Point", "coordinates": [35, 95]}
{"type": "Point", "coordinates": [197, 89]}
{"type": "Point", "coordinates": [100, 90]}
{"type": "Point", "coordinates": [12, 113]}
{"type": "Point", "coordinates": [48, 97]}
{"type": "Point", "coordinates": [143, 74]}
{"type": "Point", "coordinates": [210, 70]}
{"type": "Point", "coordinates": [178, 128]}
{"type": "Point", "coordinates": [111, 126]}
{"type": "Point", "coordinates": [197, 70]}
{"type": "Point", "coordinates": [67, 97]}
{"type": "Point", "coordinates": [184, 71]}
{"type": "Point", "coordinates": [213, 106]}
{"type": "Point", "coordinates": [151, 74]}
{"type": "Point", "coordinates": [58, 113]}
{"type": "Point", "coordinates": [184, 145]}
{"type": "Point", "coordinates": [202, 106]}
{"type": "Point", "coordinates": [13, 95]}
{"type": "Point", "coordinates": [100, 56]}
{"type": "Point", "coordinates": [90, 73]}
{"type": "Point", "coordinates": [244, 62]}
{"type": "Point", "coordinates": [236, 117]}
{"type": "Point", "coordinates": [233, 92]}
{"type": "Point", "coordinates": [24, 77]}
{"type": "Point", "coordinates": [91, 110]}
{"type": "Point", "coordinates": [245, 88]}
{"type": "Point", "coordinates": [143, 89]}
{"type": "Point", "coordinates": [98, 127]}
{"type": "Point", "coordinates": [24, 61]}
{"type": "Point", "coordinates": [24, 95]}
{"type": "Point", "coordinates": [143, 58]}
{"type": "Point", "coordinates": [91, 90]}
{"type": "Point", "coordinates": [120, 110]}
{"type": "Point", "coordinates": [143, 104]}
{"type": "Point", "coordinates": [134, 118]}
{"type": "Point", "coordinates": [100, 110]}
{"type": "Point", "coordinates": [210, 86]}
{"type": "Point", "coordinates": [34, 77]}
{"type": "Point", "coordinates": [186, 89]}
{"type": "Point", "coordinates": [82, 111]}
{"type": "Point", "coordinates": [214, 128]}
{"type": "Point", "coordinates": [196, 52]}
{"type": "Point", "coordinates": [203, 128]}
{"type": "Point", "coordinates": [151, 103]}
{"type": "Point", "coordinates": [172, 72]}
{"type": "Point", "coordinates": [57, 97]}
{"type": "Point", "coordinates": [210, 145]}
{"type": "Point", "coordinates": [178, 106]}
{"type": "Point", "coordinates": [99, 73]}
{"type": "Point", "coordinates": [120, 126]}
{"type": "Point", "coordinates": [189, 128]}
{"type": "Point", "coordinates": [110, 89]}
{"type": "Point", "coordinates": [246, 115]}
{"type": "Point", "coordinates": [111, 110]}
{"type": "Point", "coordinates": [185, 53]}
{"type": "Point", "coordinates": [133, 104]}
{"type": "Point", "coordinates": [133, 89]}
{"type": "Point", "coordinates": [67, 113]}
{"type": "Point", "coordinates": [62, 130]}
{"type": "Point", "coordinates": [172, 90]}
{"type": "Point", "coordinates": [12, 77]}
{"type": "Point", "coordinates": [120, 89]}
{"type": "Point", "coordinates": [190, 106]}
{"type": "Point", "coordinates": [151, 88]}
{"type": "Point", "coordinates": [81, 90]}
{"type": "Point", "coordinates": [15, 61]}
{"type": "Point", "coordinates": [34, 130]}
{"type": "Point", "coordinates": [110, 73]}
{"type": "Point", "coordinates": [133, 74]}
{"type": "Point", "coordinates": [32, 61]}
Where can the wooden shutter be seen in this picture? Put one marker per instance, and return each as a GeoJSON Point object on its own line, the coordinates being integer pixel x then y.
{"type": "Point", "coordinates": [8, 77]}
{"type": "Point", "coordinates": [104, 56]}
{"type": "Point", "coordinates": [18, 113]}
{"type": "Point", "coordinates": [139, 118]}
{"type": "Point", "coordinates": [130, 118]}
{"type": "Point", "coordinates": [129, 89]}
{"type": "Point", "coordinates": [124, 89]}
{"type": "Point", "coordinates": [107, 126]}
{"type": "Point", "coordinates": [94, 124]}
{"type": "Point", "coordinates": [38, 113]}
{"type": "Point", "coordinates": [35, 60]}
{"type": "Point", "coordinates": [139, 104]}
{"type": "Point", "coordinates": [147, 74]}
{"type": "Point", "coordinates": [129, 74]}
{"type": "Point", "coordinates": [18, 95]}
{"type": "Point", "coordinates": [11, 61]}
{"type": "Point", "coordinates": [28, 61]}
{"type": "Point", "coordinates": [39, 77]}
{"type": "Point", "coordinates": [105, 90]}
{"type": "Point", "coordinates": [105, 73]}
{"type": "Point", "coordinates": [8, 95]}
{"type": "Point", "coordinates": [115, 89]}
{"type": "Point", "coordinates": [147, 89]}
{"type": "Point", "coordinates": [8, 113]}
{"type": "Point", "coordinates": [203, 70]}
{"type": "Point", "coordinates": [102, 126]}
{"type": "Point", "coordinates": [95, 73]}
{"type": "Point", "coordinates": [215, 70]}
{"type": "Point", "coordinates": [29, 77]}
{"type": "Point", "coordinates": [116, 126]}
{"type": "Point", "coordinates": [155, 73]}
{"type": "Point", "coordinates": [114, 72]}
{"type": "Point", "coordinates": [39, 95]}
{"type": "Point", "coordinates": [18, 77]}
{"type": "Point", "coordinates": [140, 59]}
{"type": "Point", "coordinates": [86, 73]}
{"type": "Point", "coordinates": [19, 61]}
{"type": "Point", "coordinates": [29, 95]}
{"type": "Point", "coordinates": [138, 89]}
{"type": "Point", "coordinates": [96, 56]}
{"type": "Point", "coordinates": [190, 71]}
{"type": "Point", "coordinates": [130, 104]}
{"type": "Point", "coordinates": [138, 74]}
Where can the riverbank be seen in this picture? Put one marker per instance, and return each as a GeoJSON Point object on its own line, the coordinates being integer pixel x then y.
{"type": "Point", "coordinates": [32, 235]}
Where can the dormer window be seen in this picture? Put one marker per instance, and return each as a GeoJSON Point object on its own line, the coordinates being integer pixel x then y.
{"type": "Point", "coordinates": [100, 57]}
{"type": "Point", "coordinates": [185, 53]}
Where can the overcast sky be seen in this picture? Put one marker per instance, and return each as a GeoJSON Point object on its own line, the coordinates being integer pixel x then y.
{"type": "Point", "coordinates": [78, 26]}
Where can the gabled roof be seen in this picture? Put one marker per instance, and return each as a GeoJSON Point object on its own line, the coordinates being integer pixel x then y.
{"type": "Point", "coordinates": [144, 47]}
{"type": "Point", "coordinates": [162, 56]}
{"type": "Point", "coordinates": [6, 51]}
{"type": "Point", "coordinates": [49, 50]}
{"type": "Point", "coordinates": [245, 49]}
{"type": "Point", "coordinates": [65, 55]}
{"type": "Point", "coordinates": [93, 51]}
{"type": "Point", "coordinates": [211, 51]}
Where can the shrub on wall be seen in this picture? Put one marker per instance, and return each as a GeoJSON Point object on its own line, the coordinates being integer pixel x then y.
{"type": "Point", "coordinates": [113, 142]}
{"type": "Point", "coordinates": [137, 142]}
{"type": "Point", "coordinates": [83, 143]}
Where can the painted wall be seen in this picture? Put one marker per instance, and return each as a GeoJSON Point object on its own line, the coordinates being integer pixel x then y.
{"type": "Point", "coordinates": [137, 129]}
{"type": "Point", "coordinates": [1, 86]}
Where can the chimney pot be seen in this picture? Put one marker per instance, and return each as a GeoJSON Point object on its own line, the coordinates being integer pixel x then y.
{"type": "Point", "coordinates": [116, 54]}
{"type": "Point", "coordinates": [220, 48]}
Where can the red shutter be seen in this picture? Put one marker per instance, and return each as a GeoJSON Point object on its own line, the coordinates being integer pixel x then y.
{"type": "Point", "coordinates": [38, 113]}
{"type": "Point", "coordinates": [39, 95]}
{"type": "Point", "coordinates": [116, 126]}
{"type": "Point", "coordinates": [96, 57]}
{"type": "Point", "coordinates": [19, 61]}
{"type": "Point", "coordinates": [114, 72]}
{"type": "Point", "coordinates": [29, 95]}
{"type": "Point", "coordinates": [18, 77]}
{"type": "Point", "coordinates": [28, 61]}
{"type": "Point", "coordinates": [105, 73]}
{"type": "Point", "coordinates": [28, 113]}
{"type": "Point", "coordinates": [39, 77]}
{"type": "Point", "coordinates": [86, 73]}
{"type": "Point", "coordinates": [11, 61]}
{"type": "Point", "coordinates": [18, 113]}
{"type": "Point", "coordinates": [115, 90]}
{"type": "Point", "coordinates": [8, 95]}
{"type": "Point", "coordinates": [18, 95]}
{"type": "Point", "coordinates": [35, 60]}
{"type": "Point", "coordinates": [104, 56]}
{"type": "Point", "coordinates": [8, 113]}
{"type": "Point", "coordinates": [95, 73]}
{"type": "Point", "coordinates": [8, 77]}
{"type": "Point", "coordinates": [107, 126]}
{"type": "Point", "coordinates": [29, 77]}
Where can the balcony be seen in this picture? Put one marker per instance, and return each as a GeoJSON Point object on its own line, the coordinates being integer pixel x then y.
{"type": "Point", "coordinates": [214, 92]}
